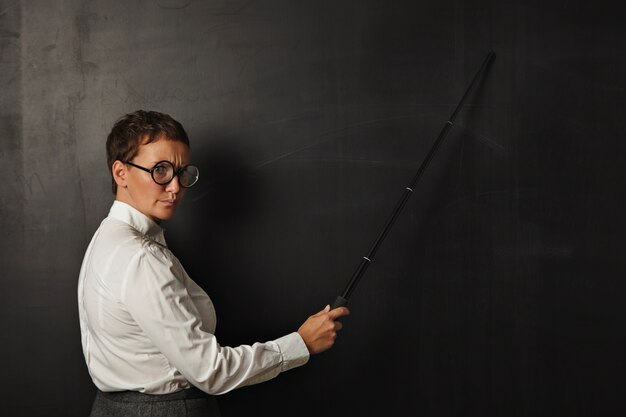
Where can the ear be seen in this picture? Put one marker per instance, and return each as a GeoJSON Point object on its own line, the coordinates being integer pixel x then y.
{"type": "Point", "coordinates": [119, 172]}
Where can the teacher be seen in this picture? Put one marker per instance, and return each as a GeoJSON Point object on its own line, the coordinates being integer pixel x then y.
{"type": "Point", "coordinates": [147, 329]}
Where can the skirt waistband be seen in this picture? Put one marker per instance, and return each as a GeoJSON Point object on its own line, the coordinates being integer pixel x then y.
{"type": "Point", "coordinates": [139, 397]}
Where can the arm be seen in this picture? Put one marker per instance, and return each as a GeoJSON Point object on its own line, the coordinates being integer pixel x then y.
{"type": "Point", "coordinates": [156, 296]}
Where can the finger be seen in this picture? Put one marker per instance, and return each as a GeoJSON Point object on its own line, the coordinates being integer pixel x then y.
{"type": "Point", "coordinates": [338, 325]}
{"type": "Point", "coordinates": [323, 311]}
{"type": "Point", "coordinates": [338, 312]}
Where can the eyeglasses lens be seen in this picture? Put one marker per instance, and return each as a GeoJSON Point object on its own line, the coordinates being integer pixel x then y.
{"type": "Point", "coordinates": [163, 173]}
{"type": "Point", "coordinates": [189, 176]}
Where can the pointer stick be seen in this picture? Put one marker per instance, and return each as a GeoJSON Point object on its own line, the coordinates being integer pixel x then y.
{"type": "Point", "coordinates": [342, 299]}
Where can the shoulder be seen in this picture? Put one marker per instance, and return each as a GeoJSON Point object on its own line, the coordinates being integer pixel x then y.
{"type": "Point", "coordinates": [138, 245]}
{"type": "Point", "coordinates": [119, 240]}
{"type": "Point", "coordinates": [119, 233]}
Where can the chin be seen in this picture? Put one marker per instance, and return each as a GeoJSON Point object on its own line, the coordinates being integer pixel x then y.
{"type": "Point", "coordinates": [164, 214]}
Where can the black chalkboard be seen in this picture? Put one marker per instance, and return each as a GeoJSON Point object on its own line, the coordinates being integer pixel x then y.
{"type": "Point", "coordinates": [499, 290]}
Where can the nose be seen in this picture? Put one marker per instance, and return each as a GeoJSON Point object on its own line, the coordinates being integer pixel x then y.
{"type": "Point", "coordinates": [173, 186]}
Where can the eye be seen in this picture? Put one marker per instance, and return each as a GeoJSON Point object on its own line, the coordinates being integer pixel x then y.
{"type": "Point", "coordinates": [162, 171]}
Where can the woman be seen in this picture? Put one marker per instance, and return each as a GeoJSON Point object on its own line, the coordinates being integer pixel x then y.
{"type": "Point", "coordinates": [147, 328]}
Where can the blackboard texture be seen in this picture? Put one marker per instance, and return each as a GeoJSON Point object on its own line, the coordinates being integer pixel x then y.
{"type": "Point", "coordinates": [499, 291]}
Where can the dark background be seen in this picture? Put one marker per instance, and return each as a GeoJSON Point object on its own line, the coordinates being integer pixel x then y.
{"type": "Point", "coordinates": [500, 290]}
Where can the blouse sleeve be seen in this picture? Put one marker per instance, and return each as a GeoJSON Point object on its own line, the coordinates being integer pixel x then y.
{"type": "Point", "coordinates": [155, 295]}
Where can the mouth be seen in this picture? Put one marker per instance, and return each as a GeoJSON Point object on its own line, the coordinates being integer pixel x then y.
{"type": "Point", "coordinates": [168, 202]}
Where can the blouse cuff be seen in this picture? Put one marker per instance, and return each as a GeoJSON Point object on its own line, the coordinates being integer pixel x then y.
{"type": "Point", "coordinates": [293, 351]}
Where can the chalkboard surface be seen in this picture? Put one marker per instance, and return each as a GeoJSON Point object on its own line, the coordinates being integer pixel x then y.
{"type": "Point", "coordinates": [499, 291]}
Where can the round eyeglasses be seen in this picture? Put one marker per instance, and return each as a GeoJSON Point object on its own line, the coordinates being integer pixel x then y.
{"type": "Point", "coordinates": [164, 172]}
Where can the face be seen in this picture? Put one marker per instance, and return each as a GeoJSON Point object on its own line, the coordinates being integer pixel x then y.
{"type": "Point", "coordinates": [136, 187]}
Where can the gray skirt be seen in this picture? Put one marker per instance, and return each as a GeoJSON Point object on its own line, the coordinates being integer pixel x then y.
{"type": "Point", "coordinates": [186, 403]}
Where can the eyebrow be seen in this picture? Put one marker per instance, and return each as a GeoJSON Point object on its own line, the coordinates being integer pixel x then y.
{"type": "Point", "coordinates": [175, 166]}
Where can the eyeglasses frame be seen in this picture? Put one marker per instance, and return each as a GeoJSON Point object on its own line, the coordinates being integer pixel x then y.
{"type": "Point", "coordinates": [176, 172]}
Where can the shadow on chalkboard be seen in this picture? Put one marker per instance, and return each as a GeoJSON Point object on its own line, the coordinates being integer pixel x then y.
{"type": "Point", "coordinates": [228, 191]}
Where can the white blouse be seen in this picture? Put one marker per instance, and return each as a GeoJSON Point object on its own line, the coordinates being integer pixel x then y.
{"type": "Point", "coordinates": [147, 326]}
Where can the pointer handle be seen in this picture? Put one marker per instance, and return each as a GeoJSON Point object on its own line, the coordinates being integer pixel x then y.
{"type": "Point", "coordinates": [339, 302]}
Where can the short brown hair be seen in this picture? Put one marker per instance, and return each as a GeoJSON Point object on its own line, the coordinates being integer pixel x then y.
{"type": "Point", "coordinates": [139, 128]}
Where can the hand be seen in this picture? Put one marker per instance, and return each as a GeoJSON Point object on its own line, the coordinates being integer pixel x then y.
{"type": "Point", "coordinates": [320, 330]}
